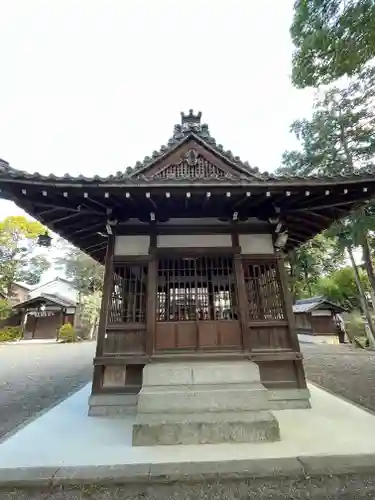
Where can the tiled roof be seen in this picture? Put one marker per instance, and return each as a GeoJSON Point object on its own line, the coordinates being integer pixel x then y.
{"type": "Point", "coordinates": [55, 298]}
{"type": "Point", "coordinates": [190, 127]}
{"type": "Point", "coordinates": [308, 305]}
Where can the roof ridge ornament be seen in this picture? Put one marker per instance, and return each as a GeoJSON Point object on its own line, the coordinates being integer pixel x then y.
{"type": "Point", "coordinates": [191, 118]}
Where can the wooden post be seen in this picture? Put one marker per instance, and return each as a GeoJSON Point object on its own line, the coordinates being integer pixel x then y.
{"type": "Point", "coordinates": [151, 292]}
{"type": "Point", "coordinates": [288, 311]}
{"type": "Point", "coordinates": [287, 301]}
{"type": "Point", "coordinates": [107, 291]}
{"type": "Point", "coordinates": [241, 294]}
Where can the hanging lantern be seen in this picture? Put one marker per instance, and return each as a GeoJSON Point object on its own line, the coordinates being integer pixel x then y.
{"type": "Point", "coordinates": [44, 240]}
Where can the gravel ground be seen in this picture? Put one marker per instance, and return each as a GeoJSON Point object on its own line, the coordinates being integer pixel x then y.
{"type": "Point", "coordinates": [34, 377]}
{"type": "Point", "coordinates": [343, 370]}
{"type": "Point", "coordinates": [328, 488]}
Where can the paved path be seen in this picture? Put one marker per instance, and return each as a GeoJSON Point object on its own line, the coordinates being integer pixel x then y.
{"type": "Point", "coordinates": [343, 370]}
{"type": "Point", "coordinates": [33, 377]}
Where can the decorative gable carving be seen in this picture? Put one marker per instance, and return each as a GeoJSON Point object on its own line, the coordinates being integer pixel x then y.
{"type": "Point", "coordinates": [192, 166]}
{"type": "Point", "coordinates": [192, 128]}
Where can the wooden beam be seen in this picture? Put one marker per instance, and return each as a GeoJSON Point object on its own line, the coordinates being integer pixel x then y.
{"type": "Point", "coordinates": [187, 198]}
{"type": "Point", "coordinates": [151, 201]}
{"type": "Point", "coordinates": [304, 220]}
{"type": "Point", "coordinates": [102, 245]}
{"type": "Point", "coordinates": [53, 206]}
{"type": "Point", "coordinates": [91, 203]}
{"type": "Point", "coordinates": [320, 216]}
{"type": "Point", "coordinates": [207, 199]}
{"type": "Point", "coordinates": [242, 200]}
{"type": "Point", "coordinates": [67, 217]}
{"type": "Point", "coordinates": [88, 229]}
{"type": "Point", "coordinates": [332, 205]}
{"type": "Point", "coordinates": [107, 292]}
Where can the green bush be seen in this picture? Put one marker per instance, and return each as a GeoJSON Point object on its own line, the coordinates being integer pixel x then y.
{"type": "Point", "coordinates": [67, 333]}
{"type": "Point", "coordinates": [355, 326]}
{"type": "Point", "coordinates": [10, 333]}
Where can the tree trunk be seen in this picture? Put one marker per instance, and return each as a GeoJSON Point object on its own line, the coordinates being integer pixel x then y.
{"type": "Point", "coordinates": [307, 281]}
{"type": "Point", "coordinates": [370, 332]}
{"type": "Point", "coordinates": [366, 256]}
{"type": "Point", "coordinates": [292, 274]}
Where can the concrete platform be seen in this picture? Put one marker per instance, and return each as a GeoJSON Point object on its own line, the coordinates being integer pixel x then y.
{"type": "Point", "coordinates": [64, 443]}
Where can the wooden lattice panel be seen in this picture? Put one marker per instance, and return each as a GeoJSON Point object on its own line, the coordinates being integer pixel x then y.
{"type": "Point", "coordinates": [128, 298]}
{"type": "Point", "coordinates": [263, 290]}
{"type": "Point", "coordinates": [190, 289]}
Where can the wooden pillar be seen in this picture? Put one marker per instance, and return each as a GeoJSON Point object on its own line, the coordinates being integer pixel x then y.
{"type": "Point", "coordinates": [241, 294]}
{"type": "Point", "coordinates": [151, 291]}
{"type": "Point", "coordinates": [287, 301]}
{"type": "Point", "coordinates": [288, 310]}
{"type": "Point", "coordinates": [107, 291]}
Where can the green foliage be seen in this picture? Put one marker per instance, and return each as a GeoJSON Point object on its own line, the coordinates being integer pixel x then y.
{"type": "Point", "coordinates": [319, 256]}
{"type": "Point", "coordinates": [84, 272]}
{"type": "Point", "coordinates": [339, 136]}
{"type": "Point", "coordinates": [10, 333]}
{"type": "Point", "coordinates": [340, 287]}
{"type": "Point", "coordinates": [67, 333]}
{"type": "Point", "coordinates": [90, 309]}
{"type": "Point", "coordinates": [87, 276]}
{"type": "Point", "coordinates": [338, 139]}
{"type": "Point", "coordinates": [19, 260]}
{"type": "Point", "coordinates": [355, 326]}
{"type": "Point", "coordinates": [332, 38]}
{"type": "Point", "coordinates": [5, 309]}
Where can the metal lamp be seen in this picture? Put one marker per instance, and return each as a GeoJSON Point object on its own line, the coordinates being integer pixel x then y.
{"type": "Point", "coordinates": [44, 240]}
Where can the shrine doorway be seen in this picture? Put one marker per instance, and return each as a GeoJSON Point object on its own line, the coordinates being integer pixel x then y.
{"type": "Point", "coordinates": [197, 304]}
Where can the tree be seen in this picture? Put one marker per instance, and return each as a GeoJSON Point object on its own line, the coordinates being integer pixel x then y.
{"type": "Point", "coordinates": [340, 287]}
{"type": "Point", "coordinates": [319, 256]}
{"type": "Point", "coordinates": [339, 136]}
{"type": "Point", "coordinates": [84, 272]}
{"type": "Point", "coordinates": [332, 38]}
{"type": "Point", "coordinates": [87, 276]}
{"type": "Point", "coordinates": [20, 258]}
{"type": "Point", "coordinates": [339, 140]}
{"type": "Point", "coordinates": [5, 308]}
{"type": "Point", "coordinates": [346, 232]}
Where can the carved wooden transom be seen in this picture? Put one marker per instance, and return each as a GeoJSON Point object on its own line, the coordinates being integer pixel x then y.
{"type": "Point", "coordinates": [192, 167]}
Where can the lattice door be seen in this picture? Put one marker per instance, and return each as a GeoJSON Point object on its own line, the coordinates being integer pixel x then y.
{"type": "Point", "coordinates": [196, 303]}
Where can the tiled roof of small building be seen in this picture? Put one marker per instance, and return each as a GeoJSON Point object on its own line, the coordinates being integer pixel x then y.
{"type": "Point", "coordinates": [308, 305]}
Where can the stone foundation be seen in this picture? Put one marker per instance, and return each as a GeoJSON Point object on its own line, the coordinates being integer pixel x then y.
{"type": "Point", "coordinates": [203, 402]}
{"type": "Point", "coordinates": [112, 405]}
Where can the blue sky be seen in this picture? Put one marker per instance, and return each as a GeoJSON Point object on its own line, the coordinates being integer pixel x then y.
{"type": "Point", "coordinates": [92, 86]}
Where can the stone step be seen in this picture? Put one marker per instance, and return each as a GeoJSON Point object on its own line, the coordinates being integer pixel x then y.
{"type": "Point", "coordinates": [211, 428]}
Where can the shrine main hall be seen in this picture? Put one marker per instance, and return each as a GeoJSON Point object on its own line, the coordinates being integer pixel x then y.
{"type": "Point", "coordinates": [196, 335]}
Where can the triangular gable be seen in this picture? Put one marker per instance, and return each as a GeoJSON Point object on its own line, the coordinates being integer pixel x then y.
{"type": "Point", "coordinates": [191, 161]}
{"type": "Point", "coordinates": [192, 154]}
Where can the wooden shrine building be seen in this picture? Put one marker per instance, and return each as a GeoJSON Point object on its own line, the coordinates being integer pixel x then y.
{"type": "Point", "coordinates": [193, 242]}
{"type": "Point", "coordinates": [317, 317]}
